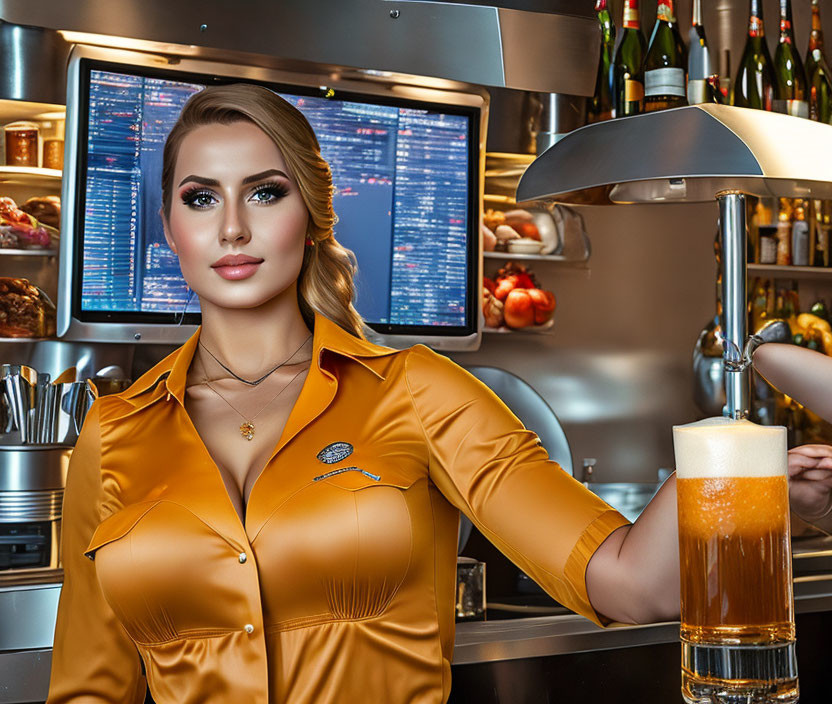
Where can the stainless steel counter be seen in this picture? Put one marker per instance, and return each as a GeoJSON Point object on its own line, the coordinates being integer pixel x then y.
{"type": "Point", "coordinates": [27, 620]}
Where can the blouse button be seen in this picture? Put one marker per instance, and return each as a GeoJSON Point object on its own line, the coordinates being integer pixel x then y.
{"type": "Point", "coordinates": [243, 557]}
{"type": "Point", "coordinates": [249, 628]}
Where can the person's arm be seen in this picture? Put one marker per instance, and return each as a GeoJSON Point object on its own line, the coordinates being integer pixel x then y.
{"type": "Point", "coordinates": [798, 372]}
{"type": "Point", "coordinates": [633, 577]}
{"type": "Point", "coordinates": [806, 376]}
{"type": "Point", "coordinates": [93, 658]}
{"type": "Point", "coordinates": [487, 464]}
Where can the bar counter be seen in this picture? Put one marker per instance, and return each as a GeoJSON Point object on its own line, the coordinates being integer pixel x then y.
{"type": "Point", "coordinates": [509, 661]}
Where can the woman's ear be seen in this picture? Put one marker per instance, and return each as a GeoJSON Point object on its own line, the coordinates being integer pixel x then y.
{"type": "Point", "coordinates": [166, 230]}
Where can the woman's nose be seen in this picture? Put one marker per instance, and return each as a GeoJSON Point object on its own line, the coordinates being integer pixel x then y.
{"type": "Point", "coordinates": [234, 226]}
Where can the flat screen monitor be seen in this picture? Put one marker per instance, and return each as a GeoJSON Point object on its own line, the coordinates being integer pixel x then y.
{"type": "Point", "coordinates": [406, 171]}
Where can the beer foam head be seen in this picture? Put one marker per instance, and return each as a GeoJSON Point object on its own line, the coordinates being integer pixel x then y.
{"type": "Point", "coordinates": [724, 447]}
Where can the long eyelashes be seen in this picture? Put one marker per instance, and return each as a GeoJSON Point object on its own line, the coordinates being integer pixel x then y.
{"type": "Point", "coordinates": [197, 197]}
{"type": "Point", "coordinates": [200, 198]}
{"type": "Point", "coordinates": [269, 192]}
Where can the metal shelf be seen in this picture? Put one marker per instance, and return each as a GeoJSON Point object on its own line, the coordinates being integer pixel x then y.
{"type": "Point", "coordinates": [535, 257]}
{"type": "Point", "coordinates": [28, 252]}
{"type": "Point", "coordinates": [790, 272]}
{"type": "Point", "coordinates": [545, 329]}
{"type": "Point", "coordinates": [31, 176]}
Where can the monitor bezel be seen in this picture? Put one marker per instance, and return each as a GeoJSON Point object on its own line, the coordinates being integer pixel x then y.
{"type": "Point", "coordinates": [149, 327]}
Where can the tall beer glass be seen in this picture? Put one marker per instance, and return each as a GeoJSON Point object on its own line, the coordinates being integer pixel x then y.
{"type": "Point", "coordinates": [738, 640]}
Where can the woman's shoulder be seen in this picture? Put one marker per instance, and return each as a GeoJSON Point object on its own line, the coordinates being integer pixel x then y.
{"type": "Point", "coordinates": [145, 389]}
{"type": "Point", "coordinates": [427, 369]}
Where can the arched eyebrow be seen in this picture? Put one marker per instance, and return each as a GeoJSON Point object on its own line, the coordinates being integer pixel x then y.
{"type": "Point", "coordinates": [202, 181]}
{"type": "Point", "coordinates": [264, 174]}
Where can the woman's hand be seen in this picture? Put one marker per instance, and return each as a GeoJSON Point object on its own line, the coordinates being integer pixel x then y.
{"type": "Point", "coordinates": [810, 480]}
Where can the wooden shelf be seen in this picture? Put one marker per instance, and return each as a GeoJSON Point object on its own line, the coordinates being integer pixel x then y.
{"type": "Point", "coordinates": [31, 176]}
{"type": "Point", "coordinates": [790, 272]}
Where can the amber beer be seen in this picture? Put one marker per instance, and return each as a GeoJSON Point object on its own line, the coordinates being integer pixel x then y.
{"type": "Point", "coordinates": [737, 628]}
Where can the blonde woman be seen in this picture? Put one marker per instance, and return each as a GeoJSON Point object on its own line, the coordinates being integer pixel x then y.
{"type": "Point", "coordinates": [270, 513]}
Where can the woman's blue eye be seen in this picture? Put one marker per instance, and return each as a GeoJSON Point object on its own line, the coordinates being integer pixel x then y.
{"type": "Point", "coordinates": [269, 193]}
{"type": "Point", "coordinates": [198, 199]}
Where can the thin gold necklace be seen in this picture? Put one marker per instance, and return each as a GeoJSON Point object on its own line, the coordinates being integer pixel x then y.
{"type": "Point", "coordinates": [247, 426]}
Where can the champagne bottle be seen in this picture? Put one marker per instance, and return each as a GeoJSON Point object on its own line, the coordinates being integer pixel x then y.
{"type": "Point", "coordinates": [601, 106]}
{"type": "Point", "coordinates": [699, 60]}
{"type": "Point", "coordinates": [665, 67]}
{"type": "Point", "coordinates": [818, 74]}
{"type": "Point", "coordinates": [627, 65]}
{"type": "Point", "coordinates": [754, 84]}
{"type": "Point", "coordinates": [790, 94]}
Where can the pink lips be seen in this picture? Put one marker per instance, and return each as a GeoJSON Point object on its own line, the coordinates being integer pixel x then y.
{"type": "Point", "coordinates": [236, 266]}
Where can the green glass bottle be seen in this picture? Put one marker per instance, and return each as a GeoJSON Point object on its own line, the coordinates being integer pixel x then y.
{"type": "Point", "coordinates": [754, 84]}
{"type": "Point", "coordinates": [818, 72]}
{"type": "Point", "coordinates": [790, 93]}
{"type": "Point", "coordinates": [665, 68]}
{"type": "Point", "coordinates": [699, 60]}
{"type": "Point", "coordinates": [628, 65]}
{"type": "Point", "coordinates": [600, 108]}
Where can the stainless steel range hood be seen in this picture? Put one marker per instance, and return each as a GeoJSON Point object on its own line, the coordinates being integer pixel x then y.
{"type": "Point", "coordinates": [684, 155]}
{"type": "Point", "coordinates": [537, 51]}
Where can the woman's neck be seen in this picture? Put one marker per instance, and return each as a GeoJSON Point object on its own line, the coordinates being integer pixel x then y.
{"type": "Point", "coordinates": [251, 341]}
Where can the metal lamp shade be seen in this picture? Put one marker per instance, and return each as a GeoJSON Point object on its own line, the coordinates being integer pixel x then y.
{"type": "Point", "coordinates": [688, 154]}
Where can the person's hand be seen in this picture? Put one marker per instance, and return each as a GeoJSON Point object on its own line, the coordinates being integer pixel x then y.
{"type": "Point", "coordinates": [810, 480]}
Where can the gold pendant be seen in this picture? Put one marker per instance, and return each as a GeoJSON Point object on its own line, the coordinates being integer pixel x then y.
{"type": "Point", "coordinates": [247, 430]}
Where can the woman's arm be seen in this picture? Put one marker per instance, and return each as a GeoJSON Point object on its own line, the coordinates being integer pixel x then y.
{"type": "Point", "coordinates": [804, 375]}
{"type": "Point", "coordinates": [488, 465]}
{"type": "Point", "coordinates": [633, 577]}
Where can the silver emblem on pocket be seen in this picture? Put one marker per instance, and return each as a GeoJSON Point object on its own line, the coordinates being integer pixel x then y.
{"type": "Point", "coordinates": [335, 452]}
{"type": "Point", "coordinates": [375, 477]}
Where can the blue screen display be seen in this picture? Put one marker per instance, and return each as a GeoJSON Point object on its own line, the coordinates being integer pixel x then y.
{"type": "Point", "coordinates": [402, 198]}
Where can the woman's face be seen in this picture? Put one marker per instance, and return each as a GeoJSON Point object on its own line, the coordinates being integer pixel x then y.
{"type": "Point", "coordinates": [234, 195]}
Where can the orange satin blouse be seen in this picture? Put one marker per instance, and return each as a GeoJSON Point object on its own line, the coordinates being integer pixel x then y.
{"type": "Point", "coordinates": [340, 586]}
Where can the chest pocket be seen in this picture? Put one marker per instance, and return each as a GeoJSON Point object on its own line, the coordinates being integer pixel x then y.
{"type": "Point", "coordinates": [164, 571]}
{"type": "Point", "coordinates": [117, 526]}
{"type": "Point", "coordinates": [345, 543]}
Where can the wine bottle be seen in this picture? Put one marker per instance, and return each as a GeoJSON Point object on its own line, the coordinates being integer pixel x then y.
{"type": "Point", "coordinates": [820, 255]}
{"type": "Point", "coordinates": [790, 94]}
{"type": "Point", "coordinates": [699, 60]}
{"type": "Point", "coordinates": [628, 65]}
{"type": "Point", "coordinates": [754, 84]}
{"type": "Point", "coordinates": [800, 236]}
{"type": "Point", "coordinates": [818, 74]}
{"type": "Point", "coordinates": [665, 67]}
{"type": "Point", "coordinates": [600, 107]}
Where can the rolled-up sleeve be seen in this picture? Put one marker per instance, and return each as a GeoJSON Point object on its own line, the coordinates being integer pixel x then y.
{"type": "Point", "coordinates": [493, 469]}
{"type": "Point", "coordinates": [93, 659]}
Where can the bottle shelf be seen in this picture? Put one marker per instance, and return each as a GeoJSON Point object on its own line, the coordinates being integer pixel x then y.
{"type": "Point", "coordinates": [31, 176]}
{"type": "Point", "coordinates": [790, 272]}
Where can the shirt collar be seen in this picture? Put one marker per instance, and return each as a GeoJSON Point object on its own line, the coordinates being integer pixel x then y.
{"type": "Point", "coordinates": [326, 335]}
